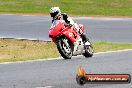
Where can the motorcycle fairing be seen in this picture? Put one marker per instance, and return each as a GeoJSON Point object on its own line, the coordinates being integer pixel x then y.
{"type": "Point", "coordinates": [58, 29]}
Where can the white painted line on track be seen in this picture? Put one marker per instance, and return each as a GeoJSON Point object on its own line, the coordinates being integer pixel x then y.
{"type": "Point", "coordinates": [103, 18]}
{"type": "Point", "coordinates": [93, 18]}
{"type": "Point", "coordinates": [28, 61]}
{"type": "Point", "coordinates": [58, 58]}
{"type": "Point", "coordinates": [46, 87]}
{"type": "Point", "coordinates": [26, 15]}
{"type": "Point", "coordinates": [113, 51]}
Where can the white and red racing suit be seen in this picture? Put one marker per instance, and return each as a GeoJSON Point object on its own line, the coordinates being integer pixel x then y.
{"type": "Point", "coordinates": [68, 21]}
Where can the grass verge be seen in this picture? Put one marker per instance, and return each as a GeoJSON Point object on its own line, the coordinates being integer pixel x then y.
{"type": "Point", "coordinates": [74, 7]}
{"type": "Point", "coordinates": [12, 50]}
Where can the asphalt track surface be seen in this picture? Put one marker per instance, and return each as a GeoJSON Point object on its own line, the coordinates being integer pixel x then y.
{"type": "Point", "coordinates": [62, 73]}
{"type": "Point", "coordinates": [36, 27]}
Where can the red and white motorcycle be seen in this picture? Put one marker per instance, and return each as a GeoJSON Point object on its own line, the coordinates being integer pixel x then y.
{"type": "Point", "coordinates": [68, 41]}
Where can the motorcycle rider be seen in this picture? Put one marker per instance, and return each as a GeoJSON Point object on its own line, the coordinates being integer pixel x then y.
{"type": "Point", "coordinates": [57, 15]}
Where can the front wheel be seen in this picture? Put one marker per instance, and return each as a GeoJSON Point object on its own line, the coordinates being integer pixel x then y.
{"type": "Point", "coordinates": [64, 48]}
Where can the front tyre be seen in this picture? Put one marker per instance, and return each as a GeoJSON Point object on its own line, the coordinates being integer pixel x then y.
{"type": "Point", "coordinates": [64, 48]}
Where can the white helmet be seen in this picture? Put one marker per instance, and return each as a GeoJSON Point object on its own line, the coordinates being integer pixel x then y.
{"type": "Point", "coordinates": [54, 12]}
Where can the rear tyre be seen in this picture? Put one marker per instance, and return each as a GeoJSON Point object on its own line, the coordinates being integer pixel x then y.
{"type": "Point", "coordinates": [88, 51]}
{"type": "Point", "coordinates": [64, 48]}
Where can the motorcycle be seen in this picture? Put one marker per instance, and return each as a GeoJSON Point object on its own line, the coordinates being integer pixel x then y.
{"type": "Point", "coordinates": [69, 42]}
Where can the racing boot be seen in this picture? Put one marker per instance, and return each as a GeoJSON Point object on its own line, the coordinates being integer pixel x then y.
{"type": "Point", "coordinates": [84, 38]}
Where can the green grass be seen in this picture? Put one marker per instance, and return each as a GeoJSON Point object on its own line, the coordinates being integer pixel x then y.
{"type": "Point", "coordinates": [12, 50]}
{"type": "Point", "coordinates": [73, 7]}
{"type": "Point", "coordinates": [20, 50]}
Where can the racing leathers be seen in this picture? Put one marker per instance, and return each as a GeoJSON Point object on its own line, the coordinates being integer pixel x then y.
{"type": "Point", "coordinates": [69, 22]}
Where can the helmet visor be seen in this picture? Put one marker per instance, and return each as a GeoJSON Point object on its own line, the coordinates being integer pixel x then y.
{"type": "Point", "coordinates": [53, 14]}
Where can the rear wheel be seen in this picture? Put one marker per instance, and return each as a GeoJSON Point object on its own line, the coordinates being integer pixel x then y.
{"type": "Point", "coordinates": [64, 48]}
{"type": "Point", "coordinates": [88, 51]}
